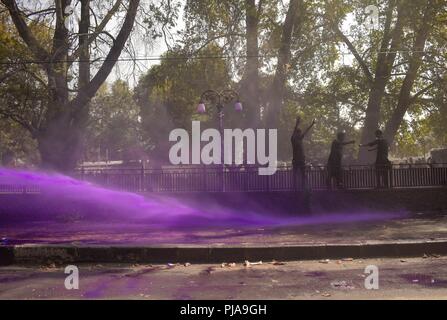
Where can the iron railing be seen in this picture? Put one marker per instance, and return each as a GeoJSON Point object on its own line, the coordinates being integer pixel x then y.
{"type": "Point", "coordinates": [247, 179]}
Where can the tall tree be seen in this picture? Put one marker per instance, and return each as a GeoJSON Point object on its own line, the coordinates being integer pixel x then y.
{"type": "Point", "coordinates": [60, 134]}
{"type": "Point", "coordinates": [390, 44]}
{"type": "Point", "coordinates": [250, 85]}
{"type": "Point", "coordinates": [114, 130]}
{"type": "Point", "coordinates": [168, 94]}
{"type": "Point", "coordinates": [292, 21]}
{"type": "Point", "coordinates": [414, 64]}
{"type": "Point", "coordinates": [395, 61]}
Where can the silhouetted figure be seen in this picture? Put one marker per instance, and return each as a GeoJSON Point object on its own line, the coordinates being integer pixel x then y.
{"type": "Point", "coordinates": [299, 159]}
{"type": "Point", "coordinates": [334, 164]}
{"type": "Point", "coordinates": [383, 165]}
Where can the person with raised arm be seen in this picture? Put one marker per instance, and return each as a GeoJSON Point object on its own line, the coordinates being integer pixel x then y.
{"type": "Point", "coordinates": [299, 158]}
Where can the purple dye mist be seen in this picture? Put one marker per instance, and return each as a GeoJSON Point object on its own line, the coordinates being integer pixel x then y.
{"type": "Point", "coordinates": [64, 199]}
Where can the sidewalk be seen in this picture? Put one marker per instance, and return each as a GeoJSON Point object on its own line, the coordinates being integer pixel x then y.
{"type": "Point", "coordinates": [412, 236]}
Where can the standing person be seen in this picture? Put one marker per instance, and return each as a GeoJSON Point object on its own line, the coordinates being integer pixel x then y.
{"type": "Point", "coordinates": [299, 159]}
{"type": "Point", "coordinates": [334, 166]}
{"type": "Point", "coordinates": [383, 165]}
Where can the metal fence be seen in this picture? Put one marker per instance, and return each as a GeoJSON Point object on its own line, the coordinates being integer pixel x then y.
{"type": "Point", "coordinates": [247, 179]}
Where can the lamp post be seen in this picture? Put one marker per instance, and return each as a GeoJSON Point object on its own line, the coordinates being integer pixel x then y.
{"type": "Point", "coordinates": [220, 99]}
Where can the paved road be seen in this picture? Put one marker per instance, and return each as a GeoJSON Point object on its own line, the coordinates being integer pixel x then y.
{"type": "Point", "coordinates": [333, 229]}
{"type": "Point", "coordinates": [416, 278]}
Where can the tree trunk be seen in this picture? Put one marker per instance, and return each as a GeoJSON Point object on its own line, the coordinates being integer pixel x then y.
{"type": "Point", "coordinates": [405, 98]}
{"type": "Point", "coordinates": [84, 57]}
{"type": "Point", "coordinates": [60, 144]}
{"type": "Point", "coordinates": [278, 86]}
{"type": "Point", "coordinates": [250, 81]}
{"type": "Point", "coordinates": [385, 62]}
{"type": "Point", "coordinates": [60, 136]}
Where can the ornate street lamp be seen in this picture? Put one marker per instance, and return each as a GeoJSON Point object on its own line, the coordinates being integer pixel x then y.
{"type": "Point", "coordinates": [220, 99]}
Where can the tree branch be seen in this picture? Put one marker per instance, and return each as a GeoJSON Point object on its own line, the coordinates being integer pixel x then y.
{"type": "Point", "coordinates": [421, 92]}
{"type": "Point", "coordinates": [355, 53]}
{"type": "Point", "coordinates": [98, 30]}
{"type": "Point", "coordinates": [89, 91]}
{"type": "Point", "coordinates": [17, 119]}
{"type": "Point", "coordinates": [38, 51]}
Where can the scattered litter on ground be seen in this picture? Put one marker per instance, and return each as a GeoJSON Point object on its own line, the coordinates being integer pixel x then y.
{"type": "Point", "coordinates": [326, 295]}
{"type": "Point", "coordinates": [228, 265]}
{"type": "Point", "coordinates": [403, 260]}
{"type": "Point", "coordinates": [278, 263]}
{"type": "Point", "coordinates": [142, 271]}
{"type": "Point", "coordinates": [249, 264]}
{"type": "Point", "coordinates": [341, 285]}
{"type": "Point", "coordinates": [326, 261]}
{"type": "Point", "coordinates": [347, 259]}
{"type": "Point", "coordinates": [209, 270]}
{"type": "Point", "coordinates": [48, 267]}
{"type": "Point", "coordinates": [187, 264]}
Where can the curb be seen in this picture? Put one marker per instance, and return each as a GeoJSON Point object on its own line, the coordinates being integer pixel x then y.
{"type": "Point", "coordinates": [63, 254]}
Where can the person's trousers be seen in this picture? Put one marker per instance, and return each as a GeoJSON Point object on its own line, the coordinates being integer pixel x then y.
{"type": "Point", "coordinates": [334, 172]}
{"type": "Point", "coordinates": [299, 176]}
{"type": "Point", "coordinates": [383, 175]}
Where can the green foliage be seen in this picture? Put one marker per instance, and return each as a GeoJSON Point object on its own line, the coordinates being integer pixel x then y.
{"type": "Point", "coordinates": [22, 95]}
{"type": "Point", "coordinates": [324, 82]}
{"type": "Point", "coordinates": [169, 93]}
{"type": "Point", "coordinates": [114, 131]}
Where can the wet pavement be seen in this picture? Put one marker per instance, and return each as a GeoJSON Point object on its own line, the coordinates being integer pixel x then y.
{"type": "Point", "coordinates": [311, 230]}
{"type": "Point", "coordinates": [415, 278]}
